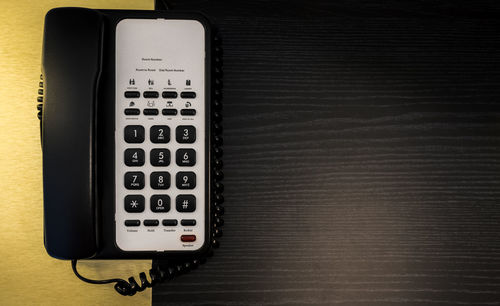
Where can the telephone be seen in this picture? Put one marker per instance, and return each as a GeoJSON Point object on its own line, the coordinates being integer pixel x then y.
{"type": "Point", "coordinates": [130, 132]}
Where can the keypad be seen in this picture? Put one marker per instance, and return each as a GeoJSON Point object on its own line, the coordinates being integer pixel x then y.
{"type": "Point", "coordinates": [157, 139]}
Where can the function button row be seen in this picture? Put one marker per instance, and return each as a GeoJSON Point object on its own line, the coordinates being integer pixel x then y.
{"type": "Point", "coordinates": [155, 112]}
{"type": "Point", "coordinates": [160, 203]}
{"type": "Point", "coordinates": [165, 222]}
{"type": "Point", "coordinates": [155, 94]}
{"type": "Point", "coordinates": [160, 134]}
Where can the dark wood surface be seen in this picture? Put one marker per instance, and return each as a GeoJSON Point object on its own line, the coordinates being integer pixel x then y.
{"type": "Point", "coordinates": [362, 155]}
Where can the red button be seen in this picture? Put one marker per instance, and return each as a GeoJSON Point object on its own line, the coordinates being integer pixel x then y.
{"type": "Point", "coordinates": [188, 238]}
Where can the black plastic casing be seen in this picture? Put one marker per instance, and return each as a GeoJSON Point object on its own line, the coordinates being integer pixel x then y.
{"type": "Point", "coordinates": [83, 227]}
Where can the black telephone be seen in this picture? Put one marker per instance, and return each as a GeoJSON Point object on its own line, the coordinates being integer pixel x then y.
{"type": "Point", "coordinates": [130, 129]}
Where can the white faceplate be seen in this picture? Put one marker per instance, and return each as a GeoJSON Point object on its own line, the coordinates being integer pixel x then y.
{"type": "Point", "coordinates": [160, 55]}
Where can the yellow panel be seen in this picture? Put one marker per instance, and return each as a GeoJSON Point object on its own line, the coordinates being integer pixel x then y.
{"type": "Point", "coordinates": [27, 274]}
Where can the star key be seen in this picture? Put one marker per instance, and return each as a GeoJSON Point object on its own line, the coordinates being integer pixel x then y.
{"type": "Point", "coordinates": [134, 203]}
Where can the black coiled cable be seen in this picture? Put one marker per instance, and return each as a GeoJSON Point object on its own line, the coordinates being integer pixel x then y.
{"type": "Point", "coordinates": [131, 286]}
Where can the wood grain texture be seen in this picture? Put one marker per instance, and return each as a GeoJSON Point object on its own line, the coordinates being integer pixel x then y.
{"type": "Point", "coordinates": [362, 146]}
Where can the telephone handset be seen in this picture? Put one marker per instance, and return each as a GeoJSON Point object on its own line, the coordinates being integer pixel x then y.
{"type": "Point", "coordinates": [130, 137]}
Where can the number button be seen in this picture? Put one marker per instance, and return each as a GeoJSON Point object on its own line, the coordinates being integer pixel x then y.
{"type": "Point", "coordinates": [134, 157]}
{"type": "Point", "coordinates": [134, 180]}
{"type": "Point", "coordinates": [160, 203]}
{"type": "Point", "coordinates": [134, 134]}
{"type": "Point", "coordinates": [185, 157]}
{"type": "Point", "coordinates": [134, 203]}
{"type": "Point", "coordinates": [159, 134]}
{"type": "Point", "coordinates": [185, 180]}
{"type": "Point", "coordinates": [160, 157]}
{"type": "Point", "coordinates": [185, 203]}
{"type": "Point", "coordinates": [185, 134]}
{"type": "Point", "coordinates": [160, 180]}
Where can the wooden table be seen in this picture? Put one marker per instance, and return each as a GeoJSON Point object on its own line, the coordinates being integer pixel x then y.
{"type": "Point", "coordinates": [362, 155]}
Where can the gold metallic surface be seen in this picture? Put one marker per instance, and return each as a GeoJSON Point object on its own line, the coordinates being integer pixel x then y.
{"type": "Point", "coordinates": [28, 276]}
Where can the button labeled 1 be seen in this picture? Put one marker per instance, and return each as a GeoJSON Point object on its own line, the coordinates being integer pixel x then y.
{"type": "Point", "coordinates": [134, 134]}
